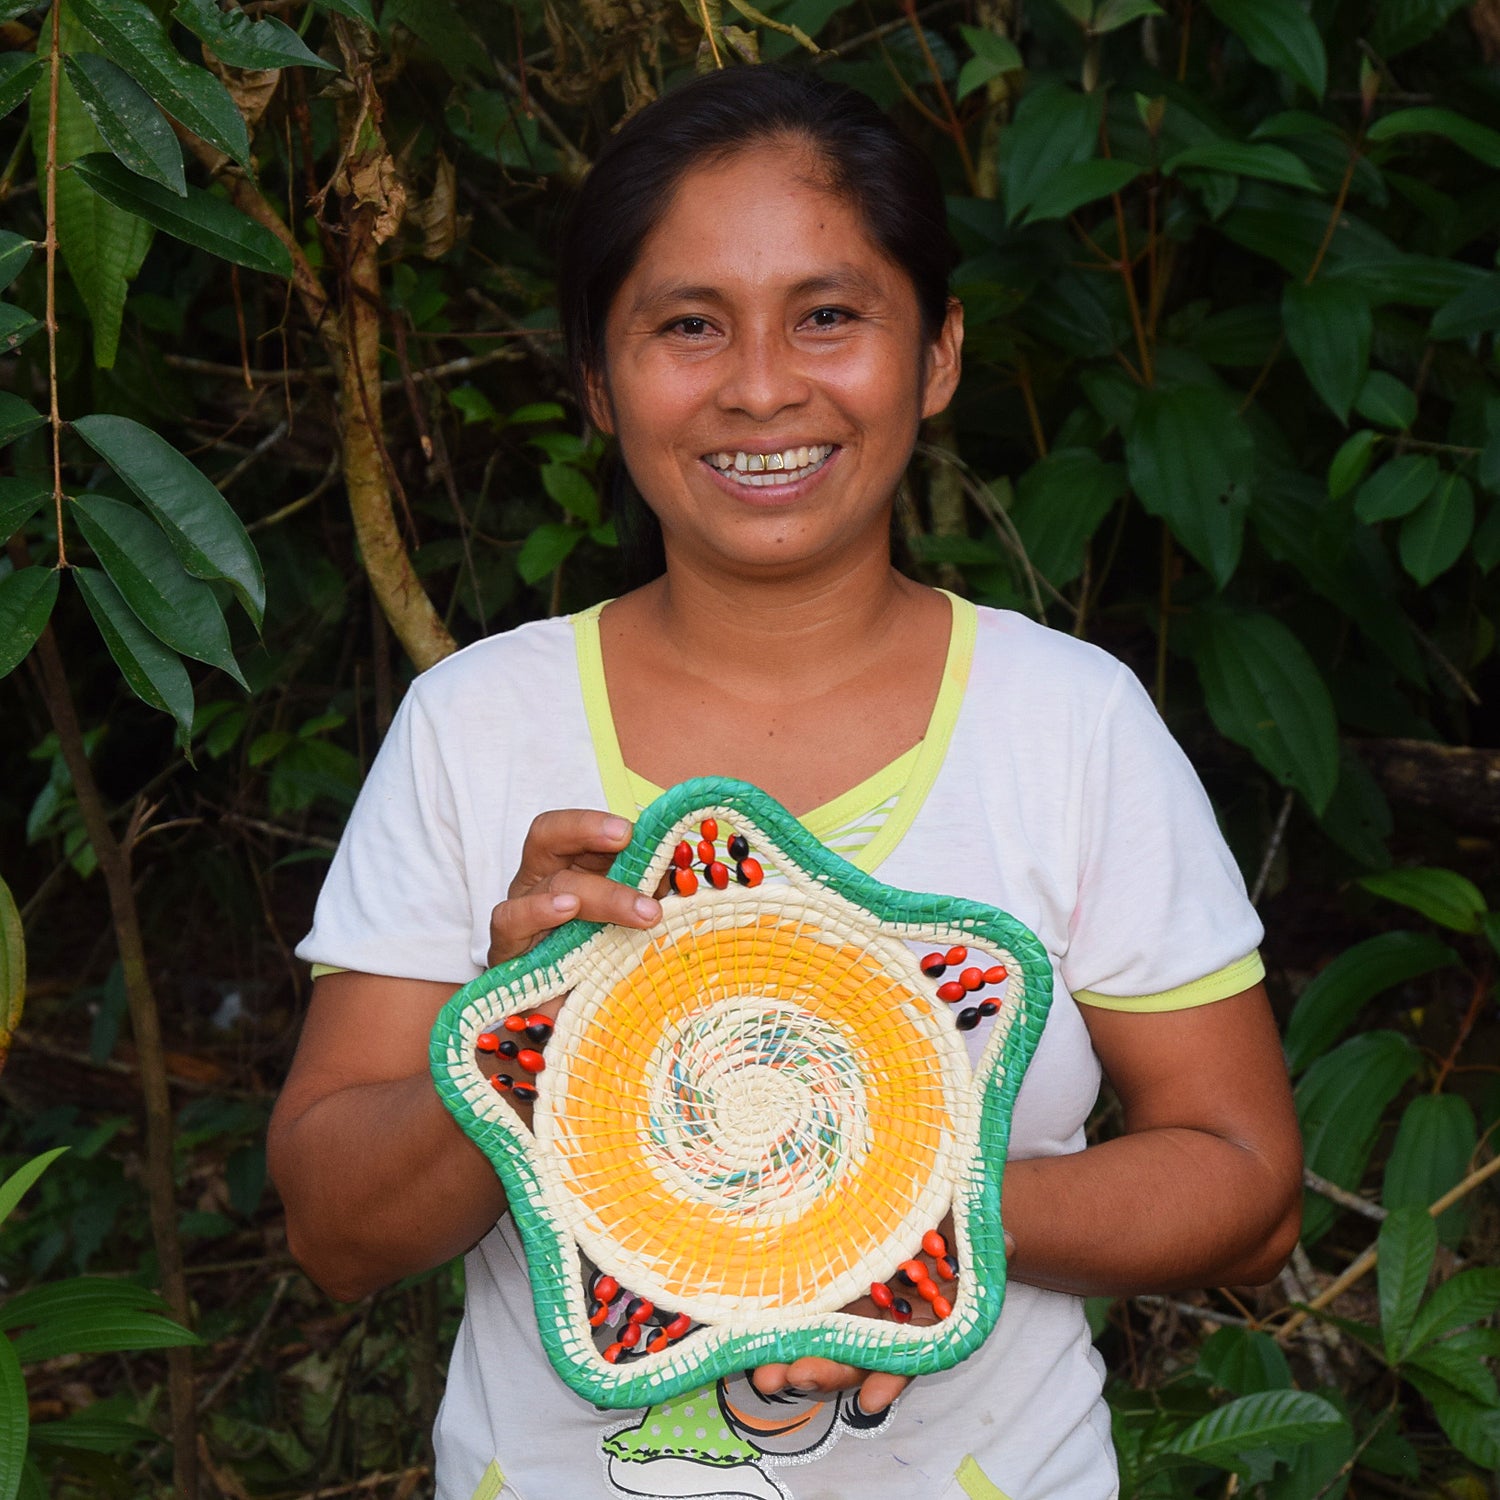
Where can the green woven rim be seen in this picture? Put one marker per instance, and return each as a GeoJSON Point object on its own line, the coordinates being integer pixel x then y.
{"type": "Point", "coordinates": [718, 1349]}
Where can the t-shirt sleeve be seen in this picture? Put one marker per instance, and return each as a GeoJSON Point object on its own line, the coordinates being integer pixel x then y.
{"type": "Point", "coordinates": [396, 899]}
{"type": "Point", "coordinates": [1161, 920]}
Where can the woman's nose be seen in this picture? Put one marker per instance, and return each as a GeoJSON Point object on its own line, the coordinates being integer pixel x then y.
{"type": "Point", "coordinates": [762, 375]}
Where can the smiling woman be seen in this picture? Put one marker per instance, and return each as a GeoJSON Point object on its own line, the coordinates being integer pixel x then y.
{"type": "Point", "coordinates": [755, 297]}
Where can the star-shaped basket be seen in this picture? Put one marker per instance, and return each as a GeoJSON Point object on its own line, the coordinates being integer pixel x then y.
{"type": "Point", "coordinates": [753, 1113]}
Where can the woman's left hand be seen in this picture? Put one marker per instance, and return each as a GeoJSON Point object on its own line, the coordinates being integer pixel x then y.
{"type": "Point", "coordinates": [811, 1376]}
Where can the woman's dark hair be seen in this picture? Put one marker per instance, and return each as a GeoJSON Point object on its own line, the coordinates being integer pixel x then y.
{"type": "Point", "coordinates": [865, 159]}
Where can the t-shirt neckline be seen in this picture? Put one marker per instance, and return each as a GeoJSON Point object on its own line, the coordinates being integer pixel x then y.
{"type": "Point", "coordinates": [926, 758]}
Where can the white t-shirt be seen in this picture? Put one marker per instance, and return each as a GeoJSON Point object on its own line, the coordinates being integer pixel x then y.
{"type": "Point", "coordinates": [1047, 786]}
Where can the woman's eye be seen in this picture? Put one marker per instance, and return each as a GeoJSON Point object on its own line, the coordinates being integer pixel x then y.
{"type": "Point", "coordinates": [828, 317]}
{"type": "Point", "coordinates": [693, 327]}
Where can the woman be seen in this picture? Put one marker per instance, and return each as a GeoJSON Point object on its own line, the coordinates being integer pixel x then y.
{"type": "Point", "coordinates": [755, 296]}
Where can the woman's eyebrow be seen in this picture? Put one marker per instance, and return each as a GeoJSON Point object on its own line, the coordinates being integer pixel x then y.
{"type": "Point", "coordinates": [841, 281]}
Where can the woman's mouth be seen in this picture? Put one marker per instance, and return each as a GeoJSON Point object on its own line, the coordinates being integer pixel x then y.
{"type": "Point", "coordinates": [764, 470]}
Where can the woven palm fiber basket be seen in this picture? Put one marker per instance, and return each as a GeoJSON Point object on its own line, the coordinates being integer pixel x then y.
{"type": "Point", "coordinates": [755, 1110]}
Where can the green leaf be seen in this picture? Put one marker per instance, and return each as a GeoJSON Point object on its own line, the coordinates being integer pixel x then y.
{"type": "Point", "coordinates": [20, 499]}
{"type": "Point", "coordinates": [537, 411]}
{"type": "Point", "coordinates": [1263, 692]}
{"type": "Point", "coordinates": [1280, 34]}
{"type": "Point", "coordinates": [16, 326]}
{"type": "Point", "coordinates": [1386, 401]}
{"type": "Point", "coordinates": [102, 246]}
{"type": "Point", "coordinates": [545, 550]}
{"type": "Point", "coordinates": [1113, 14]}
{"type": "Point", "coordinates": [14, 1186]}
{"type": "Point", "coordinates": [15, 251]}
{"type": "Point", "coordinates": [1472, 1427]}
{"type": "Point", "coordinates": [1329, 326]}
{"type": "Point", "coordinates": [1400, 24]}
{"type": "Point", "coordinates": [152, 672]}
{"type": "Point", "coordinates": [1459, 1361]}
{"type": "Point", "coordinates": [1242, 159]}
{"type": "Point", "coordinates": [205, 533]}
{"type": "Point", "coordinates": [17, 417]}
{"type": "Point", "coordinates": [243, 43]}
{"type": "Point", "coordinates": [1243, 1361]}
{"type": "Point", "coordinates": [129, 32]}
{"type": "Point", "coordinates": [1327, 1007]}
{"type": "Point", "coordinates": [26, 599]}
{"type": "Point", "coordinates": [1081, 182]}
{"type": "Point", "coordinates": [356, 10]}
{"type": "Point", "coordinates": [1479, 141]}
{"type": "Point", "coordinates": [1433, 536]}
{"type": "Point", "coordinates": [1060, 502]}
{"type": "Point", "coordinates": [100, 1333]}
{"type": "Point", "coordinates": [126, 119]}
{"type": "Point", "coordinates": [1350, 462]}
{"type": "Point", "coordinates": [77, 1297]}
{"type": "Point", "coordinates": [1442, 896]}
{"type": "Point", "coordinates": [14, 1422]}
{"type": "Point", "coordinates": [1340, 1101]}
{"type": "Point", "coordinates": [1191, 460]}
{"type": "Point", "coordinates": [572, 490]}
{"type": "Point", "coordinates": [1434, 1145]}
{"type": "Point", "coordinates": [1468, 1297]}
{"type": "Point", "coordinates": [1054, 127]}
{"type": "Point", "coordinates": [1266, 1419]}
{"type": "Point", "coordinates": [1475, 310]}
{"type": "Point", "coordinates": [1407, 1246]}
{"type": "Point", "coordinates": [198, 217]}
{"type": "Point", "coordinates": [175, 607]}
{"type": "Point", "coordinates": [19, 72]}
{"type": "Point", "coordinates": [1418, 280]}
{"type": "Point", "coordinates": [12, 967]}
{"type": "Point", "coordinates": [993, 55]}
{"type": "Point", "coordinates": [1397, 488]}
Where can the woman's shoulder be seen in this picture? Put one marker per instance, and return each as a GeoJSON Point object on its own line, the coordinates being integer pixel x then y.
{"type": "Point", "coordinates": [1032, 657]}
{"type": "Point", "coordinates": [526, 662]}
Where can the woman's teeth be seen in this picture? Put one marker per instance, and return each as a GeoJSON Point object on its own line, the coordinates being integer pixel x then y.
{"type": "Point", "coordinates": [760, 469]}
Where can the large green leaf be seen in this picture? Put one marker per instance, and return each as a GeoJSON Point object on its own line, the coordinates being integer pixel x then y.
{"type": "Point", "coordinates": [545, 549]}
{"type": "Point", "coordinates": [1054, 127]}
{"type": "Point", "coordinates": [154, 673]}
{"type": "Point", "coordinates": [1433, 536]}
{"type": "Point", "coordinates": [1271, 163]}
{"type": "Point", "coordinates": [1399, 24]}
{"type": "Point", "coordinates": [1473, 1427]}
{"type": "Point", "coordinates": [18, 76]}
{"type": "Point", "coordinates": [236, 39]}
{"type": "Point", "coordinates": [1468, 1297]}
{"type": "Point", "coordinates": [15, 1186]}
{"type": "Point", "coordinates": [1266, 1419]}
{"type": "Point", "coordinates": [20, 499]}
{"type": "Point", "coordinates": [1191, 461]}
{"type": "Point", "coordinates": [1476, 309]}
{"type": "Point", "coordinates": [1327, 1007]}
{"type": "Point", "coordinates": [1434, 1146]}
{"type": "Point", "coordinates": [1417, 280]}
{"type": "Point", "coordinates": [1443, 896]}
{"type": "Point", "coordinates": [76, 1297]}
{"type": "Point", "coordinates": [15, 251]}
{"type": "Point", "coordinates": [199, 218]}
{"type": "Point", "coordinates": [1460, 1361]}
{"type": "Point", "coordinates": [1080, 182]}
{"type": "Point", "coordinates": [129, 123]}
{"type": "Point", "coordinates": [130, 32]}
{"type": "Point", "coordinates": [1060, 502]}
{"type": "Point", "coordinates": [99, 1332]}
{"type": "Point", "coordinates": [993, 55]}
{"type": "Point", "coordinates": [1407, 1246]}
{"type": "Point", "coordinates": [1280, 34]}
{"type": "Point", "coordinates": [1340, 1101]}
{"type": "Point", "coordinates": [102, 245]}
{"type": "Point", "coordinates": [177, 608]}
{"type": "Point", "coordinates": [14, 1421]}
{"type": "Point", "coordinates": [207, 536]}
{"type": "Point", "coordinates": [1397, 488]}
{"type": "Point", "coordinates": [26, 599]}
{"type": "Point", "coordinates": [1329, 326]}
{"type": "Point", "coordinates": [573, 490]}
{"type": "Point", "coordinates": [1243, 1361]}
{"type": "Point", "coordinates": [17, 417]}
{"type": "Point", "coordinates": [1478, 140]}
{"type": "Point", "coordinates": [1387, 401]}
{"type": "Point", "coordinates": [1263, 692]}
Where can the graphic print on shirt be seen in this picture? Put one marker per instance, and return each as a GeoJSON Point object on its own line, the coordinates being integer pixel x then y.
{"type": "Point", "coordinates": [720, 1442]}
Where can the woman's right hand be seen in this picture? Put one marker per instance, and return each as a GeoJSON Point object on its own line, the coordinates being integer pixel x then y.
{"type": "Point", "coordinates": [562, 876]}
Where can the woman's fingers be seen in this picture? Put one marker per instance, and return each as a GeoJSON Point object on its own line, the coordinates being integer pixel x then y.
{"type": "Point", "coordinates": [517, 925]}
{"type": "Point", "coordinates": [813, 1376]}
{"type": "Point", "coordinates": [571, 837]}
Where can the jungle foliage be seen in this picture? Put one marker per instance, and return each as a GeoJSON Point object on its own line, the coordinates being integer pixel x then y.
{"type": "Point", "coordinates": [283, 419]}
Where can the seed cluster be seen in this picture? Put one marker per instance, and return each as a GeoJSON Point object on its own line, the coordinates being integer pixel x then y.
{"type": "Point", "coordinates": [683, 879]}
{"type": "Point", "coordinates": [970, 981]}
{"type": "Point", "coordinates": [511, 1044]}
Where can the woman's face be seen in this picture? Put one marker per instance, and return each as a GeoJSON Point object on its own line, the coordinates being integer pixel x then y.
{"type": "Point", "coordinates": [766, 370]}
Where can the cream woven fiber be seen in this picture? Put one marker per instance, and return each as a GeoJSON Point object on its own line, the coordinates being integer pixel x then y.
{"type": "Point", "coordinates": [753, 1107]}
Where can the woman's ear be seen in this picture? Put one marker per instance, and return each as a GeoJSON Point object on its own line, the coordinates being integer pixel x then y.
{"type": "Point", "coordinates": [944, 361]}
{"type": "Point", "coordinates": [601, 410]}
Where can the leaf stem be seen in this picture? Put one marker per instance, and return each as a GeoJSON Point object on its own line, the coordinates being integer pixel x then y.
{"type": "Point", "coordinates": [54, 415]}
{"type": "Point", "coordinates": [954, 127]}
{"type": "Point", "coordinates": [1339, 203]}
